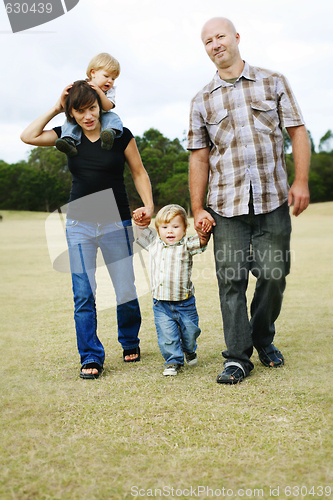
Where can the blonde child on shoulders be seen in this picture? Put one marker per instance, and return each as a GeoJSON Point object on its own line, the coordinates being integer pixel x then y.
{"type": "Point", "coordinates": [102, 72]}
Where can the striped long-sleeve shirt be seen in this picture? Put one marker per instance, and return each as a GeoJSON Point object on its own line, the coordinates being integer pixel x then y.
{"type": "Point", "coordinates": [170, 266]}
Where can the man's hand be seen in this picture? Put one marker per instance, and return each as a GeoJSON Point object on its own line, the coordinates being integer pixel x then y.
{"type": "Point", "coordinates": [203, 222]}
{"type": "Point", "coordinates": [299, 196]}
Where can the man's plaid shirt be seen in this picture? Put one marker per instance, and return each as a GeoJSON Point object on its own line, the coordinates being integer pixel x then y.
{"type": "Point", "coordinates": [242, 124]}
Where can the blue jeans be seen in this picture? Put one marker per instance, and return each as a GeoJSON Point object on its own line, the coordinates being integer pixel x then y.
{"type": "Point", "coordinates": [260, 244]}
{"type": "Point", "coordinates": [115, 241]}
{"type": "Point", "coordinates": [109, 120]}
{"type": "Point", "coordinates": [177, 328]}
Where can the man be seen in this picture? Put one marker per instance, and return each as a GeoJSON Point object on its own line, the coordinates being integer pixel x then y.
{"type": "Point", "coordinates": [236, 143]}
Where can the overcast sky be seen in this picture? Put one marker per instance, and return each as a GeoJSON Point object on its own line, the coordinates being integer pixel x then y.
{"type": "Point", "coordinates": [163, 61]}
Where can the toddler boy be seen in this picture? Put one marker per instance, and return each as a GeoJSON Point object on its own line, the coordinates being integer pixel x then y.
{"type": "Point", "coordinates": [170, 263]}
{"type": "Point", "coordinates": [102, 71]}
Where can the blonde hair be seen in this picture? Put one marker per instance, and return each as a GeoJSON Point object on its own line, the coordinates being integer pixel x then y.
{"type": "Point", "coordinates": [169, 212]}
{"type": "Point", "coordinates": [104, 61]}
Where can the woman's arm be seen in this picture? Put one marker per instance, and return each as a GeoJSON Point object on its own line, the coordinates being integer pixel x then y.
{"type": "Point", "coordinates": [35, 134]}
{"type": "Point", "coordinates": [143, 214]}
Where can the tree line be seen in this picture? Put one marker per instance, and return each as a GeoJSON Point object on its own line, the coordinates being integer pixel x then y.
{"type": "Point", "coordinates": [43, 182]}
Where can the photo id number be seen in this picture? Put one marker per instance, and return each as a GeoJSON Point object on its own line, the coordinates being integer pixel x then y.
{"type": "Point", "coordinates": [35, 8]}
{"type": "Point", "coordinates": [303, 491]}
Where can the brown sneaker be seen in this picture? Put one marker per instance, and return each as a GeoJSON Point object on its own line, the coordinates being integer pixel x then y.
{"type": "Point", "coordinates": [107, 138]}
{"type": "Point", "coordinates": [66, 145]}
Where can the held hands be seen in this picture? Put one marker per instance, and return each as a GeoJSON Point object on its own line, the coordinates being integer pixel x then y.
{"type": "Point", "coordinates": [206, 225]}
{"type": "Point", "coordinates": [204, 235]}
{"type": "Point", "coordinates": [203, 223]}
{"type": "Point", "coordinates": [142, 216]}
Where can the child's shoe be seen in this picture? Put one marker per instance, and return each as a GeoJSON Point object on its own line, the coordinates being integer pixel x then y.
{"type": "Point", "coordinates": [107, 138]}
{"type": "Point", "coordinates": [171, 369]}
{"type": "Point", "coordinates": [66, 145]}
{"type": "Point", "coordinates": [191, 359]}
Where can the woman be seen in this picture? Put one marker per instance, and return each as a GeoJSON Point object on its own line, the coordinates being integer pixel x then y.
{"type": "Point", "coordinates": [95, 220]}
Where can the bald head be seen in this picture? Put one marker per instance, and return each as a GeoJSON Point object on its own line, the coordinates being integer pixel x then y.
{"type": "Point", "coordinates": [217, 23]}
{"type": "Point", "coordinates": [221, 40]}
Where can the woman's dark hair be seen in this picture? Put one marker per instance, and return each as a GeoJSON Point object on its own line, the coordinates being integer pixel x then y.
{"type": "Point", "coordinates": [81, 96]}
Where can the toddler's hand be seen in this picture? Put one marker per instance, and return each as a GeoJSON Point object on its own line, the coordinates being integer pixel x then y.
{"type": "Point", "coordinates": [95, 87]}
{"type": "Point", "coordinates": [206, 225]}
{"type": "Point", "coordinates": [142, 216]}
{"type": "Point", "coordinates": [138, 215]}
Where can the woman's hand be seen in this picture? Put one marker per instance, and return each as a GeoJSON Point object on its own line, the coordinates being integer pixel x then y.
{"type": "Point", "coordinates": [60, 104]}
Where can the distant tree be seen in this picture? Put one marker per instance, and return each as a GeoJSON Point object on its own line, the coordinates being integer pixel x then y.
{"type": "Point", "coordinates": [53, 174]}
{"type": "Point", "coordinates": [175, 190]}
{"type": "Point", "coordinates": [286, 141]}
{"type": "Point", "coordinates": [166, 162]}
{"type": "Point", "coordinates": [326, 142]}
{"type": "Point", "coordinates": [42, 183]}
{"type": "Point", "coordinates": [321, 177]}
{"type": "Point", "coordinates": [20, 187]}
{"type": "Point", "coordinates": [312, 146]}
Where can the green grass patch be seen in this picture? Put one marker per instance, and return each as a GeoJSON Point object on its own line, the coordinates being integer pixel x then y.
{"type": "Point", "coordinates": [133, 431]}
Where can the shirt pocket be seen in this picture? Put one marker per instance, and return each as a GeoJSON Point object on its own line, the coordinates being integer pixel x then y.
{"type": "Point", "coordinates": [265, 116]}
{"type": "Point", "coordinates": [219, 128]}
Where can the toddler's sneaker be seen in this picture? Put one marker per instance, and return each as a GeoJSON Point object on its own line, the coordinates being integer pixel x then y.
{"type": "Point", "coordinates": [107, 138]}
{"type": "Point", "coordinates": [66, 145]}
{"type": "Point", "coordinates": [191, 359]}
{"type": "Point", "coordinates": [171, 369]}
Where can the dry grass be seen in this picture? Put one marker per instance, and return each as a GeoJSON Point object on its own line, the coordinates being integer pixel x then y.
{"type": "Point", "coordinates": [65, 438]}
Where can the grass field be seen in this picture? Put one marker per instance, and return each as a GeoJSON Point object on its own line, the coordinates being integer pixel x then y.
{"type": "Point", "coordinates": [136, 434]}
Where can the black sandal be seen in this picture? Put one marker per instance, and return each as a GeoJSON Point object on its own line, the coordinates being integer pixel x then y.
{"type": "Point", "coordinates": [127, 352]}
{"type": "Point", "coordinates": [98, 367]}
{"type": "Point", "coordinates": [269, 355]}
{"type": "Point", "coordinates": [230, 371]}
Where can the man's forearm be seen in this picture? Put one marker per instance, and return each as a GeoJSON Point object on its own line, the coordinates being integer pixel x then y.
{"type": "Point", "coordinates": [301, 152]}
{"type": "Point", "coordinates": [299, 192]}
{"type": "Point", "coordinates": [198, 178]}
